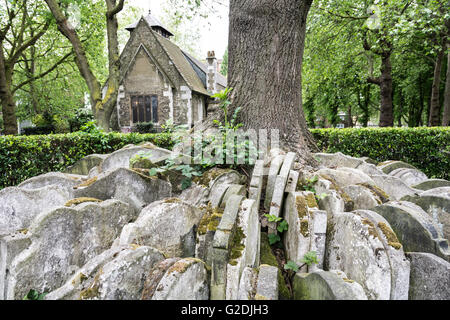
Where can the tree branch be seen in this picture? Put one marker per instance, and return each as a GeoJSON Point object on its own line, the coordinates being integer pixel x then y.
{"type": "Point", "coordinates": [42, 74]}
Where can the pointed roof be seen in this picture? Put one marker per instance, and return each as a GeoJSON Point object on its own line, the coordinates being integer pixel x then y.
{"type": "Point", "coordinates": [152, 22]}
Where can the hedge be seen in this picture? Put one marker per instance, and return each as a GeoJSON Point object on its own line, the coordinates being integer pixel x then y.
{"type": "Point", "coordinates": [426, 148]}
{"type": "Point", "coordinates": [23, 157]}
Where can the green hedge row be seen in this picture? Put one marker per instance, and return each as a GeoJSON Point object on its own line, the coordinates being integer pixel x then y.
{"type": "Point", "coordinates": [23, 157]}
{"type": "Point", "coordinates": [426, 148]}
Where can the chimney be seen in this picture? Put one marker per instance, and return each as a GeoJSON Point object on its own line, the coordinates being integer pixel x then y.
{"type": "Point", "coordinates": [211, 76]}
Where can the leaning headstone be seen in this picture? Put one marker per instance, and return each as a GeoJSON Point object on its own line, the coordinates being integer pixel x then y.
{"type": "Point", "coordinates": [205, 232]}
{"type": "Point", "coordinates": [326, 285]}
{"type": "Point", "coordinates": [393, 186]}
{"type": "Point", "coordinates": [345, 176]}
{"type": "Point", "coordinates": [267, 283]}
{"type": "Point", "coordinates": [409, 176]}
{"type": "Point", "coordinates": [58, 179]}
{"type": "Point", "coordinates": [168, 225]}
{"type": "Point", "coordinates": [297, 213]}
{"type": "Point", "coordinates": [18, 207]}
{"type": "Point", "coordinates": [245, 246]}
{"type": "Point", "coordinates": [233, 189]}
{"type": "Point", "coordinates": [121, 158]}
{"type": "Point", "coordinates": [362, 197]}
{"type": "Point", "coordinates": [356, 246]}
{"type": "Point", "coordinates": [414, 228]}
{"type": "Point", "coordinates": [247, 285]}
{"type": "Point", "coordinates": [197, 195]}
{"type": "Point", "coordinates": [83, 166]}
{"type": "Point", "coordinates": [256, 182]}
{"type": "Point", "coordinates": [389, 166]}
{"type": "Point", "coordinates": [279, 189]}
{"type": "Point", "coordinates": [400, 268]}
{"type": "Point", "coordinates": [123, 277]}
{"type": "Point", "coordinates": [62, 241]}
{"type": "Point", "coordinates": [222, 244]}
{"type": "Point", "coordinates": [125, 185]}
{"type": "Point", "coordinates": [337, 160]}
{"type": "Point", "coordinates": [10, 246]}
{"type": "Point", "coordinates": [186, 279]}
{"type": "Point", "coordinates": [432, 184]}
{"type": "Point", "coordinates": [437, 205]}
{"type": "Point", "coordinates": [275, 166]}
{"type": "Point", "coordinates": [430, 277]}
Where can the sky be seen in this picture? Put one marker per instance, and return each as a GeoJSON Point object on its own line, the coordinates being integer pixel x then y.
{"type": "Point", "coordinates": [214, 36]}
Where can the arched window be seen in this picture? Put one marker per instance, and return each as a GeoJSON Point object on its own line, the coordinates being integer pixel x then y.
{"type": "Point", "coordinates": [144, 108]}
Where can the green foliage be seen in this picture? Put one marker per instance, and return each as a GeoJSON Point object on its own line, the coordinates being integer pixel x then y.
{"type": "Point", "coordinates": [23, 157]}
{"type": "Point", "coordinates": [291, 265]}
{"type": "Point", "coordinates": [309, 184]}
{"type": "Point", "coordinates": [421, 147]}
{"type": "Point", "coordinates": [144, 127]}
{"type": "Point", "coordinates": [273, 218]}
{"type": "Point", "coordinates": [283, 226]}
{"type": "Point", "coordinates": [273, 239]}
{"type": "Point", "coordinates": [310, 258]}
{"type": "Point", "coordinates": [34, 295]}
{"type": "Point", "coordinates": [224, 66]}
{"type": "Point", "coordinates": [80, 118]}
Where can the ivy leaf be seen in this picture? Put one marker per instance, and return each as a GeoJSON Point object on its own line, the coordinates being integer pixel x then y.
{"type": "Point", "coordinates": [283, 226]}
{"type": "Point", "coordinates": [274, 238]}
{"type": "Point", "coordinates": [291, 265]}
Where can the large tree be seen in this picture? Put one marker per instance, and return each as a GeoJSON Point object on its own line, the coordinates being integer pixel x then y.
{"type": "Point", "coordinates": [22, 26]}
{"type": "Point", "coordinates": [266, 42]}
{"type": "Point", "coordinates": [102, 105]}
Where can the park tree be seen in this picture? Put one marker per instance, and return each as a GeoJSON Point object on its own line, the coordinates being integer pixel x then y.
{"type": "Point", "coordinates": [23, 23]}
{"type": "Point", "coordinates": [102, 105]}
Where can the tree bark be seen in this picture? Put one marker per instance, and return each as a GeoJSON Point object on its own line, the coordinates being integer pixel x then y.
{"type": "Point", "coordinates": [435, 105]}
{"type": "Point", "coordinates": [266, 42]}
{"type": "Point", "coordinates": [386, 110]}
{"type": "Point", "coordinates": [6, 96]}
{"type": "Point", "coordinates": [446, 115]}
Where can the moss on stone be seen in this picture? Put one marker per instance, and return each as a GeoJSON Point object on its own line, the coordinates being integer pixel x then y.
{"type": "Point", "coordinates": [237, 247]}
{"type": "Point", "coordinates": [87, 183]}
{"type": "Point", "coordinates": [304, 227]}
{"type": "Point", "coordinates": [172, 200]}
{"type": "Point", "coordinates": [390, 236]}
{"type": "Point", "coordinates": [92, 291]}
{"type": "Point", "coordinates": [371, 227]}
{"type": "Point", "coordinates": [180, 266]}
{"type": "Point", "coordinates": [378, 192]}
{"type": "Point", "coordinates": [348, 202]}
{"type": "Point", "coordinates": [79, 278]}
{"type": "Point", "coordinates": [311, 201]}
{"type": "Point", "coordinates": [210, 175]}
{"type": "Point", "coordinates": [210, 220]}
{"type": "Point", "coordinates": [348, 280]}
{"type": "Point", "coordinates": [268, 258]}
{"type": "Point", "coordinates": [302, 207]}
{"type": "Point", "coordinates": [81, 200]}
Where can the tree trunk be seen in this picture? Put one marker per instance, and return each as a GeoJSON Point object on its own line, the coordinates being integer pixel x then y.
{"type": "Point", "coordinates": [266, 42]}
{"type": "Point", "coordinates": [446, 115]}
{"type": "Point", "coordinates": [435, 105]}
{"type": "Point", "coordinates": [102, 107]}
{"type": "Point", "coordinates": [386, 110]}
{"type": "Point", "coordinates": [6, 97]}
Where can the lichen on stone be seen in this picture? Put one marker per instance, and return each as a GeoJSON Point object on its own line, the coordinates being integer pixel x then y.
{"type": "Point", "coordinates": [81, 200]}
{"type": "Point", "coordinates": [390, 236]}
{"type": "Point", "coordinates": [172, 200]}
{"type": "Point", "coordinates": [86, 183]}
{"type": "Point", "coordinates": [181, 266]}
{"type": "Point", "coordinates": [348, 280]}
